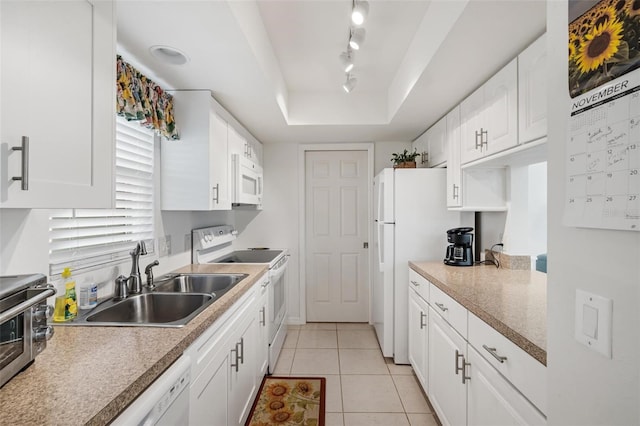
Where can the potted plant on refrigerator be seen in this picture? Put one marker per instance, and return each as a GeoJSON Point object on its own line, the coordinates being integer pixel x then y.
{"type": "Point", "coordinates": [405, 160]}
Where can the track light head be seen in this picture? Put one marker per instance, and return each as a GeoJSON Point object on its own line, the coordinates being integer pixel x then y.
{"type": "Point", "coordinates": [357, 38]}
{"type": "Point", "coordinates": [350, 83]}
{"type": "Point", "coordinates": [359, 12]}
{"type": "Point", "coordinates": [346, 60]}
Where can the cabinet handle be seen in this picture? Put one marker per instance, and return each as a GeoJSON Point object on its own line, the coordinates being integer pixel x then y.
{"type": "Point", "coordinates": [458, 368]}
{"type": "Point", "coordinates": [456, 191]}
{"type": "Point", "coordinates": [241, 356]}
{"type": "Point", "coordinates": [493, 352]}
{"type": "Point", "coordinates": [24, 173]}
{"type": "Point", "coordinates": [465, 364]}
{"type": "Point", "coordinates": [415, 283]}
{"type": "Point", "coordinates": [217, 191]}
{"type": "Point", "coordinates": [236, 363]}
{"type": "Point", "coordinates": [422, 316]}
{"type": "Point", "coordinates": [478, 135]}
{"type": "Point", "coordinates": [442, 307]}
{"type": "Point", "coordinates": [424, 157]}
{"type": "Point", "coordinates": [264, 316]}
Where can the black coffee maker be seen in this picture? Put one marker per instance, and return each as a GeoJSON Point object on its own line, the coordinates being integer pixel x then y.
{"type": "Point", "coordinates": [460, 251]}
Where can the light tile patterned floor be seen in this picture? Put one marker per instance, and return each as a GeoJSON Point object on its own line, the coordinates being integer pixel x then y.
{"type": "Point", "coordinates": [363, 387]}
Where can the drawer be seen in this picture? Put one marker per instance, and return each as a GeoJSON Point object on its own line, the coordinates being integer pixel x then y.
{"type": "Point", "coordinates": [523, 371]}
{"type": "Point", "coordinates": [452, 312]}
{"type": "Point", "coordinates": [419, 284]}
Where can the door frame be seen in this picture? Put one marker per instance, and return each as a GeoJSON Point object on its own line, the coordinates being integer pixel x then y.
{"type": "Point", "coordinates": [302, 150]}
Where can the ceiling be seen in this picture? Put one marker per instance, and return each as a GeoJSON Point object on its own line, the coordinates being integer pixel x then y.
{"type": "Point", "coordinates": [273, 64]}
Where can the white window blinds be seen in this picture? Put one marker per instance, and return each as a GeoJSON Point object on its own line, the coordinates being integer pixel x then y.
{"type": "Point", "coordinates": [86, 238]}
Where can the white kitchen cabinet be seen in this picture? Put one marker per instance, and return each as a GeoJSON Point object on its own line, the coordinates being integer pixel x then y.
{"type": "Point", "coordinates": [437, 143]}
{"type": "Point", "coordinates": [420, 145]}
{"type": "Point", "coordinates": [492, 400]}
{"type": "Point", "coordinates": [249, 149]}
{"type": "Point", "coordinates": [532, 91]}
{"type": "Point", "coordinates": [57, 93]}
{"type": "Point", "coordinates": [227, 360]}
{"type": "Point", "coordinates": [447, 390]}
{"type": "Point", "coordinates": [489, 116]}
{"type": "Point", "coordinates": [262, 308]}
{"type": "Point", "coordinates": [419, 337]}
{"type": "Point", "coordinates": [454, 173]}
{"type": "Point", "coordinates": [196, 170]}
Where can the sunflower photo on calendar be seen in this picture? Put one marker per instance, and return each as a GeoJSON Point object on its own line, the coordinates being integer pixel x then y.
{"type": "Point", "coordinates": [604, 42]}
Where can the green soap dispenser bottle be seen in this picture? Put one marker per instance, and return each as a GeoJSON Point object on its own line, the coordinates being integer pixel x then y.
{"type": "Point", "coordinates": [66, 308]}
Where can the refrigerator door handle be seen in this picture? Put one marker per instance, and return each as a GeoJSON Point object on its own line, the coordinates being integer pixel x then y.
{"type": "Point", "coordinates": [381, 246]}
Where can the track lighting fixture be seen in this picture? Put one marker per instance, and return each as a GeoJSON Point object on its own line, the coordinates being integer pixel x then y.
{"type": "Point", "coordinates": [357, 38]}
{"type": "Point", "coordinates": [350, 83]}
{"type": "Point", "coordinates": [346, 60]}
{"type": "Point", "coordinates": [359, 12]}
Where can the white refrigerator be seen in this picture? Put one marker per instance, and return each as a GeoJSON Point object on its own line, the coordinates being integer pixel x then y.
{"type": "Point", "coordinates": [411, 220]}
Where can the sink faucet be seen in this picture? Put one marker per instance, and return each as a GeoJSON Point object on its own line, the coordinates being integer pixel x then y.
{"type": "Point", "coordinates": [149, 272]}
{"type": "Point", "coordinates": [134, 278]}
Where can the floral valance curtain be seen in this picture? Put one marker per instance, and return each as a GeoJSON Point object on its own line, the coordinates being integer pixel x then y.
{"type": "Point", "coordinates": [141, 99]}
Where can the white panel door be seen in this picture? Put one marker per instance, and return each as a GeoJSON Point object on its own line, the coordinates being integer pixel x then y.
{"type": "Point", "coordinates": [336, 211]}
{"type": "Point", "coordinates": [419, 337]}
{"type": "Point", "coordinates": [454, 173]}
{"type": "Point", "coordinates": [437, 143]}
{"type": "Point", "coordinates": [501, 103]}
{"type": "Point", "coordinates": [532, 91]}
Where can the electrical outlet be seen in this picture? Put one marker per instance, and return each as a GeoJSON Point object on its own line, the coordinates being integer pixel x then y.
{"type": "Point", "coordinates": [187, 242]}
{"type": "Point", "coordinates": [164, 246]}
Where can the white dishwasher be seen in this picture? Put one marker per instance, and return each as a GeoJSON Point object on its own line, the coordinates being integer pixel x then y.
{"type": "Point", "coordinates": [165, 402]}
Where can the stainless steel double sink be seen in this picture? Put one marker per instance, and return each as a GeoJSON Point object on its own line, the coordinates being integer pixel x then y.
{"type": "Point", "coordinates": [175, 300]}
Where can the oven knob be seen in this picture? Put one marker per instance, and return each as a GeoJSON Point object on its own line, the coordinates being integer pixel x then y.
{"type": "Point", "coordinates": [43, 312]}
{"type": "Point", "coordinates": [43, 334]}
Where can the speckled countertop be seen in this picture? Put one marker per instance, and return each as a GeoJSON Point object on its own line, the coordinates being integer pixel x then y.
{"type": "Point", "coordinates": [87, 375]}
{"type": "Point", "coordinates": [514, 302]}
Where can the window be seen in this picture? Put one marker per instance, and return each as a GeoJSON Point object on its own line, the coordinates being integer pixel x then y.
{"type": "Point", "coordinates": [85, 238]}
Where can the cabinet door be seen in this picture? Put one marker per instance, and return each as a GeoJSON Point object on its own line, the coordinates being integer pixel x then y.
{"type": "Point", "coordinates": [262, 347]}
{"type": "Point", "coordinates": [57, 90]}
{"type": "Point", "coordinates": [242, 382]}
{"type": "Point", "coordinates": [208, 393]}
{"type": "Point", "coordinates": [472, 124]}
{"type": "Point", "coordinates": [237, 144]}
{"type": "Point", "coordinates": [418, 337]}
{"type": "Point", "coordinates": [454, 173]}
{"type": "Point", "coordinates": [420, 145]}
{"type": "Point", "coordinates": [501, 104]}
{"type": "Point", "coordinates": [492, 400]}
{"type": "Point", "coordinates": [219, 162]}
{"type": "Point", "coordinates": [532, 91]}
{"type": "Point", "coordinates": [437, 143]}
{"type": "Point", "coordinates": [447, 392]}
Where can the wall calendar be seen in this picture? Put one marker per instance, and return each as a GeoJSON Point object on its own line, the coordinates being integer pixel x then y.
{"type": "Point", "coordinates": [603, 143]}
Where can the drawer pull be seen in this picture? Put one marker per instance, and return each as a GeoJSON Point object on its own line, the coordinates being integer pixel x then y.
{"type": "Point", "coordinates": [415, 283]}
{"type": "Point", "coordinates": [459, 369]}
{"type": "Point", "coordinates": [493, 351]}
{"type": "Point", "coordinates": [236, 363]}
{"type": "Point", "coordinates": [422, 316]}
{"type": "Point", "coordinates": [442, 307]}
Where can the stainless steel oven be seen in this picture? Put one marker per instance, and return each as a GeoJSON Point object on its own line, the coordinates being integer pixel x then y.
{"type": "Point", "coordinates": [23, 321]}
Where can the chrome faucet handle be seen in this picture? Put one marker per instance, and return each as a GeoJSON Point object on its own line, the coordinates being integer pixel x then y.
{"type": "Point", "coordinates": [121, 290]}
{"type": "Point", "coordinates": [149, 272]}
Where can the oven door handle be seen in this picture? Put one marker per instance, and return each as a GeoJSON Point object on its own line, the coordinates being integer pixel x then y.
{"type": "Point", "coordinates": [21, 307]}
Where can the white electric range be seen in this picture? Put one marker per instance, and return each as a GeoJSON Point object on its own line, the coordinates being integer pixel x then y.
{"type": "Point", "coordinates": [215, 245]}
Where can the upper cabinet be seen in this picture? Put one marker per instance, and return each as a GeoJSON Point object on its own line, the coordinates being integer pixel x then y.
{"type": "Point", "coordinates": [244, 147]}
{"type": "Point", "coordinates": [196, 172]}
{"type": "Point", "coordinates": [454, 174]}
{"type": "Point", "coordinates": [489, 116]}
{"type": "Point", "coordinates": [420, 145]}
{"type": "Point", "coordinates": [532, 91]}
{"type": "Point", "coordinates": [57, 95]}
{"type": "Point", "coordinates": [437, 143]}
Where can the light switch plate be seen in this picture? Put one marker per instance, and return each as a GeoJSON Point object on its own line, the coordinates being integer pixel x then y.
{"type": "Point", "coordinates": [593, 322]}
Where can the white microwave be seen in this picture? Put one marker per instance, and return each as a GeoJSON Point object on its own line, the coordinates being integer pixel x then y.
{"type": "Point", "coordinates": [246, 181]}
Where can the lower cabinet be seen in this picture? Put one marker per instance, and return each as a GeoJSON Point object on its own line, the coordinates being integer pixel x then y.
{"type": "Point", "coordinates": [419, 337]}
{"type": "Point", "coordinates": [472, 374]}
{"type": "Point", "coordinates": [492, 400]}
{"type": "Point", "coordinates": [447, 386]}
{"type": "Point", "coordinates": [227, 363]}
{"type": "Point", "coordinates": [262, 308]}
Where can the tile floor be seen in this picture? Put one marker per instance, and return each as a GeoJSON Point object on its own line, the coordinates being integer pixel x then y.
{"type": "Point", "coordinates": [363, 387]}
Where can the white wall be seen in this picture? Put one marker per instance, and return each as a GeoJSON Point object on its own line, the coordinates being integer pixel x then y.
{"type": "Point", "coordinates": [586, 388]}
